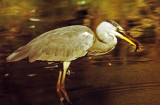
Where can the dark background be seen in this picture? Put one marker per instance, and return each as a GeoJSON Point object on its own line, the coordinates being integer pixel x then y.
{"type": "Point", "coordinates": [122, 77]}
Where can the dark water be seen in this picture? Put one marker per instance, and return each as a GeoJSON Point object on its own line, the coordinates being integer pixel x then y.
{"type": "Point", "coordinates": [122, 77]}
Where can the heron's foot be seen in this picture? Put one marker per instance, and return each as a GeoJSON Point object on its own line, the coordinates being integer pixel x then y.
{"type": "Point", "coordinates": [61, 91]}
{"type": "Point", "coordinates": [65, 94]}
{"type": "Point", "coordinates": [61, 99]}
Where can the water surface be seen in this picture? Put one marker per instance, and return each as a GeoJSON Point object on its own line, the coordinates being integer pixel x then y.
{"type": "Point", "coordinates": [121, 77]}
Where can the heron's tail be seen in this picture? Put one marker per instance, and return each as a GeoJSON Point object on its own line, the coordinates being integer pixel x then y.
{"type": "Point", "coordinates": [19, 54]}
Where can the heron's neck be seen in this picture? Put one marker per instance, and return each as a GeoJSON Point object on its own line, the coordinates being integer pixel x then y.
{"type": "Point", "coordinates": [104, 42]}
{"type": "Point", "coordinates": [104, 33]}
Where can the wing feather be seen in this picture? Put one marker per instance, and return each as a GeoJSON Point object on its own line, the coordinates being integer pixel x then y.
{"type": "Point", "coordinates": [62, 44]}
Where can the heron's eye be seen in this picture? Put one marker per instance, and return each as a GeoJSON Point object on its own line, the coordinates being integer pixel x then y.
{"type": "Point", "coordinates": [118, 30]}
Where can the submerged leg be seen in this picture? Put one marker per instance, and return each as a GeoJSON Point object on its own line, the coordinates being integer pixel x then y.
{"type": "Point", "coordinates": [65, 67]}
{"type": "Point", "coordinates": [59, 86]}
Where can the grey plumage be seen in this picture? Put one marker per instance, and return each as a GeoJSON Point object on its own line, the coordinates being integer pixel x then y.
{"type": "Point", "coordinates": [62, 44]}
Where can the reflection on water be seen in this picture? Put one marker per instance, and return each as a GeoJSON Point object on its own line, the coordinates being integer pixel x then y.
{"type": "Point", "coordinates": [122, 77]}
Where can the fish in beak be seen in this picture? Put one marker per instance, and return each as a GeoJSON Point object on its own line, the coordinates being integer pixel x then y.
{"type": "Point", "coordinates": [126, 36]}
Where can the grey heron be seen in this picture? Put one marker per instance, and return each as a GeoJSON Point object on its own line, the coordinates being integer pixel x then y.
{"type": "Point", "coordinates": [69, 43]}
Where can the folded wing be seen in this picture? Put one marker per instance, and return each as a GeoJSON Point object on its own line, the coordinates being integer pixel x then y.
{"type": "Point", "coordinates": [62, 44]}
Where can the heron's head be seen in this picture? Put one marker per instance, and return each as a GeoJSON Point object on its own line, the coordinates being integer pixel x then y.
{"type": "Point", "coordinates": [118, 31]}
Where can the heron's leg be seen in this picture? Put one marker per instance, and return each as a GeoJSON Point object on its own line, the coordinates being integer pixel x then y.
{"type": "Point", "coordinates": [59, 87]}
{"type": "Point", "coordinates": [65, 67]}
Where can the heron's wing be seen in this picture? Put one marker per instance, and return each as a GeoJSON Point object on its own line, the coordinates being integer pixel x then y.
{"type": "Point", "coordinates": [63, 44]}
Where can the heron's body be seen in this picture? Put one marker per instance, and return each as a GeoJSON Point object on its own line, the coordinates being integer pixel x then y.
{"type": "Point", "coordinates": [64, 44]}
{"type": "Point", "coordinates": [69, 43]}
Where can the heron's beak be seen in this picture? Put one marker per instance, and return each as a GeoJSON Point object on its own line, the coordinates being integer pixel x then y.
{"type": "Point", "coordinates": [126, 36]}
